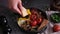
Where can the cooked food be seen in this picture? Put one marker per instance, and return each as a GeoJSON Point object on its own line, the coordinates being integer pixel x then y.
{"type": "Point", "coordinates": [43, 24]}
{"type": "Point", "coordinates": [33, 22]}
{"type": "Point", "coordinates": [24, 12]}
{"type": "Point", "coordinates": [55, 17]}
{"type": "Point", "coordinates": [56, 28]}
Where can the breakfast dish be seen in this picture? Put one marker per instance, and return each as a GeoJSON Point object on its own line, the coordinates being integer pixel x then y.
{"type": "Point", "coordinates": [33, 22]}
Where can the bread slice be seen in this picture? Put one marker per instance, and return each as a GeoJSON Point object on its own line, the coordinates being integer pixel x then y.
{"type": "Point", "coordinates": [43, 24]}
{"type": "Point", "coordinates": [24, 12]}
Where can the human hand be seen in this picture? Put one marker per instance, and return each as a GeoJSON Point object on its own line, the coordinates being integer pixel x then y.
{"type": "Point", "coordinates": [16, 6]}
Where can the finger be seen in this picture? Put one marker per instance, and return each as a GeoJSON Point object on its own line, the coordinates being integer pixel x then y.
{"type": "Point", "coordinates": [21, 7]}
{"type": "Point", "coordinates": [17, 10]}
{"type": "Point", "coordinates": [20, 3]}
{"type": "Point", "coordinates": [23, 10]}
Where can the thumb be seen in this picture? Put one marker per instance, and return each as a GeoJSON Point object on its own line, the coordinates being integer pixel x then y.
{"type": "Point", "coordinates": [18, 10]}
{"type": "Point", "coordinates": [23, 10]}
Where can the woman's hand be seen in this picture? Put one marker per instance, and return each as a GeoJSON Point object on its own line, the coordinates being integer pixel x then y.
{"type": "Point", "coordinates": [16, 6]}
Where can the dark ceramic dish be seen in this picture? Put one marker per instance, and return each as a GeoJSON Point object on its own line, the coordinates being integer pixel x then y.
{"type": "Point", "coordinates": [42, 29]}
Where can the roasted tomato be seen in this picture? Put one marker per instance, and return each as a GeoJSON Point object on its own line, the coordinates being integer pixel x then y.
{"type": "Point", "coordinates": [39, 20]}
{"type": "Point", "coordinates": [33, 23]}
{"type": "Point", "coordinates": [56, 28]}
{"type": "Point", "coordinates": [33, 17]}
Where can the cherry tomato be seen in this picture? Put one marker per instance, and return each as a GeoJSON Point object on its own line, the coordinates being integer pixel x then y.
{"type": "Point", "coordinates": [33, 17]}
{"type": "Point", "coordinates": [56, 28]}
{"type": "Point", "coordinates": [34, 23]}
{"type": "Point", "coordinates": [39, 20]}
